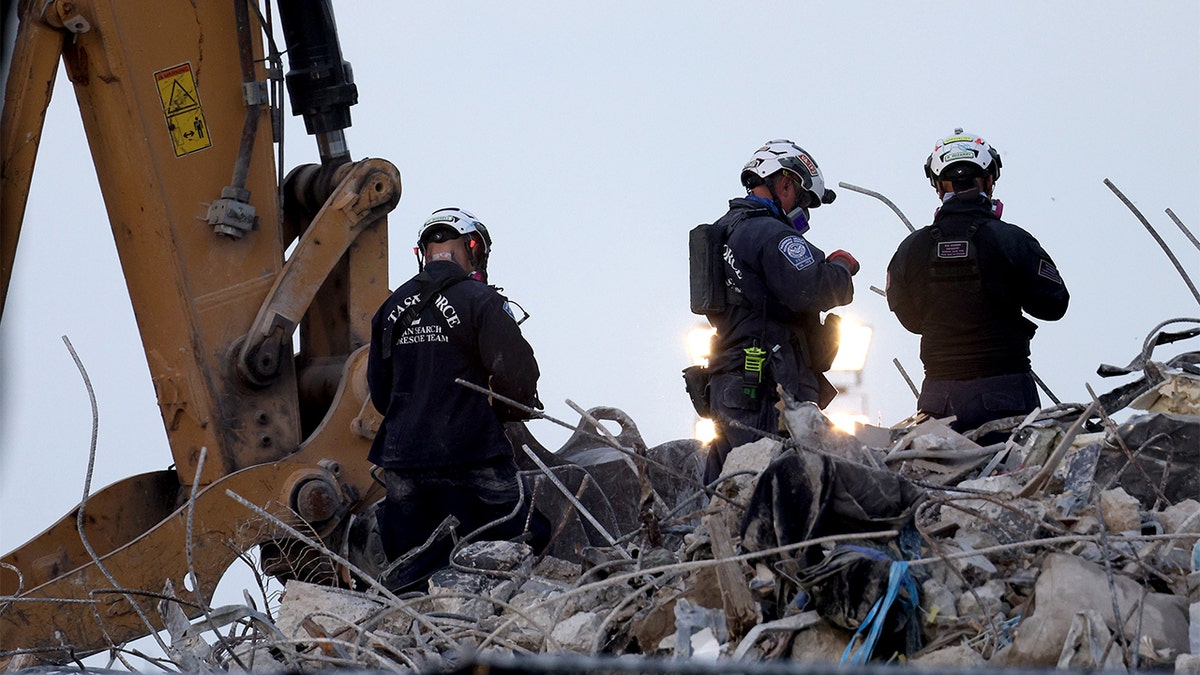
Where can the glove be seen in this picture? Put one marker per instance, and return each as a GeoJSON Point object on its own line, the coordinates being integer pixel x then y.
{"type": "Point", "coordinates": [843, 258]}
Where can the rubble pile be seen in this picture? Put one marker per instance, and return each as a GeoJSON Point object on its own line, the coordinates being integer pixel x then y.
{"type": "Point", "coordinates": [1072, 543]}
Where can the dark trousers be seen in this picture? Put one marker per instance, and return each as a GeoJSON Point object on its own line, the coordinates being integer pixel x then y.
{"type": "Point", "coordinates": [729, 402]}
{"type": "Point", "coordinates": [979, 401]}
{"type": "Point", "coordinates": [418, 500]}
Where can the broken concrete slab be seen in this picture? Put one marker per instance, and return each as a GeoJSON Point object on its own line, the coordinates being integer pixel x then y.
{"type": "Point", "coordinates": [878, 438]}
{"type": "Point", "coordinates": [638, 612]}
{"type": "Point", "coordinates": [1183, 552]}
{"type": "Point", "coordinates": [1079, 477]}
{"type": "Point", "coordinates": [652, 624]}
{"type": "Point", "coordinates": [933, 452]}
{"type": "Point", "coordinates": [933, 434]}
{"type": "Point", "coordinates": [1121, 511]}
{"type": "Point", "coordinates": [578, 632]}
{"type": "Point", "coordinates": [1068, 585]}
{"type": "Point", "coordinates": [974, 569]}
{"type": "Point", "coordinates": [452, 592]}
{"type": "Point", "coordinates": [535, 610]}
{"type": "Point", "coordinates": [822, 642]}
{"type": "Point", "coordinates": [1005, 517]}
{"type": "Point", "coordinates": [1179, 394]}
{"type": "Point", "coordinates": [1181, 518]}
{"type": "Point", "coordinates": [333, 609]}
{"type": "Point", "coordinates": [511, 558]}
{"type": "Point", "coordinates": [1087, 644]}
{"type": "Point", "coordinates": [739, 476]}
{"type": "Point", "coordinates": [1035, 442]}
{"type": "Point", "coordinates": [751, 458]}
{"type": "Point", "coordinates": [983, 601]}
{"type": "Point", "coordinates": [937, 600]}
{"type": "Point", "coordinates": [1187, 664]}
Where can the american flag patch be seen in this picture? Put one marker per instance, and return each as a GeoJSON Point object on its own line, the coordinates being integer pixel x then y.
{"type": "Point", "coordinates": [1048, 270]}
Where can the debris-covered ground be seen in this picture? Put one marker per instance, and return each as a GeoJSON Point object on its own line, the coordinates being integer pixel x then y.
{"type": "Point", "coordinates": [1072, 542]}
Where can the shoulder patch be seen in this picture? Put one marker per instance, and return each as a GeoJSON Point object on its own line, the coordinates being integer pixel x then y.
{"type": "Point", "coordinates": [796, 250]}
{"type": "Point", "coordinates": [953, 249]}
{"type": "Point", "coordinates": [508, 310]}
{"type": "Point", "coordinates": [1048, 270]}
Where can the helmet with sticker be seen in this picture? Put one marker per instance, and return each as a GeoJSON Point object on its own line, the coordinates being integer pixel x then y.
{"type": "Point", "coordinates": [784, 155]}
{"type": "Point", "coordinates": [452, 223]}
{"type": "Point", "coordinates": [962, 156]}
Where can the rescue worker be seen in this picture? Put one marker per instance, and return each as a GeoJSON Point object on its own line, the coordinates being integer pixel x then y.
{"type": "Point", "coordinates": [771, 333]}
{"type": "Point", "coordinates": [442, 446]}
{"type": "Point", "coordinates": [963, 282]}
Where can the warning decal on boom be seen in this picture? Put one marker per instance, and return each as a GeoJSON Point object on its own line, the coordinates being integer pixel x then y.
{"type": "Point", "coordinates": [181, 106]}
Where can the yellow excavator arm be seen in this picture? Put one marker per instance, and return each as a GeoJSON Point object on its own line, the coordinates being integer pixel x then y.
{"type": "Point", "coordinates": [180, 106]}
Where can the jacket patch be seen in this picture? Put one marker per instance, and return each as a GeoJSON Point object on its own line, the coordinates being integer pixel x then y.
{"type": "Point", "coordinates": [1048, 270]}
{"type": "Point", "coordinates": [416, 334]}
{"type": "Point", "coordinates": [796, 250]}
{"type": "Point", "coordinates": [952, 249]}
{"type": "Point", "coordinates": [414, 331]}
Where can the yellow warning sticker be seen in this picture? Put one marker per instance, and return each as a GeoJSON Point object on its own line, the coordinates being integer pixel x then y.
{"type": "Point", "coordinates": [181, 106]}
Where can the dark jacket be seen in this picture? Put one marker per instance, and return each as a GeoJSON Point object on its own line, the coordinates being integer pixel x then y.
{"type": "Point", "coordinates": [783, 283]}
{"type": "Point", "coordinates": [962, 284]}
{"type": "Point", "coordinates": [468, 333]}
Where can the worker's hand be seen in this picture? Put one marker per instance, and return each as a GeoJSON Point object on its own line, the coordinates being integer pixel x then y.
{"type": "Point", "coordinates": [843, 258]}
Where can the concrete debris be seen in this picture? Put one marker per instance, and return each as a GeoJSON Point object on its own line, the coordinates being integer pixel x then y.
{"type": "Point", "coordinates": [1085, 644]}
{"type": "Point", "coordinates": [950, 659]}
{"type": "Point", "coordinates": [331, 608]}
{"type": "Point", "coordinates": [823, 642]}
{"type": "Point", "coordinates": [1153, 624]}
{"type": "Point", "coordinates": [1178, 394]}
{"type": "Point", "coordinates": [577, 633]}
{"type": "Point", "coordinates": [1072, 544]}
{"type": "Point", "coordinates": [1120, 512]}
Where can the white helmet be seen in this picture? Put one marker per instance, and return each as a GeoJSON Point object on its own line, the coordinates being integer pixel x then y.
{"type": "Point", "coordinates": [451, 223]}
{"type": "Point", "coordinates": [962, 155]}
{"type": "Point", "coordinates": [784, 155]}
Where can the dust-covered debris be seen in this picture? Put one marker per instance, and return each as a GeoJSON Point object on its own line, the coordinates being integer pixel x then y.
{"type": "Point", "coordinates": [1073, 543]}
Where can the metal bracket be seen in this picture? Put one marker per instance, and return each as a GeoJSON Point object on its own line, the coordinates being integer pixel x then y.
{"type": "Point", "coordinates": [66, 14]}
{"type": "Point", "coordinates": [232, 215]}
{"type": "Point", "coordinates": [255, 93]}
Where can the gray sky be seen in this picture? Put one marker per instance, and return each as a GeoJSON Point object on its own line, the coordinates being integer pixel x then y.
{"type": "Point", "coordinates": [590, 137]}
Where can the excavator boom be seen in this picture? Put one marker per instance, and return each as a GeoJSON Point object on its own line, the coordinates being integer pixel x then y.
{"type": "Point", "coordinates": [176, 105]}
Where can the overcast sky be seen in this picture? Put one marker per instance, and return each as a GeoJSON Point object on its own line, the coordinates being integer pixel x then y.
{"type": "Point", "coordinates": [590, 137]}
